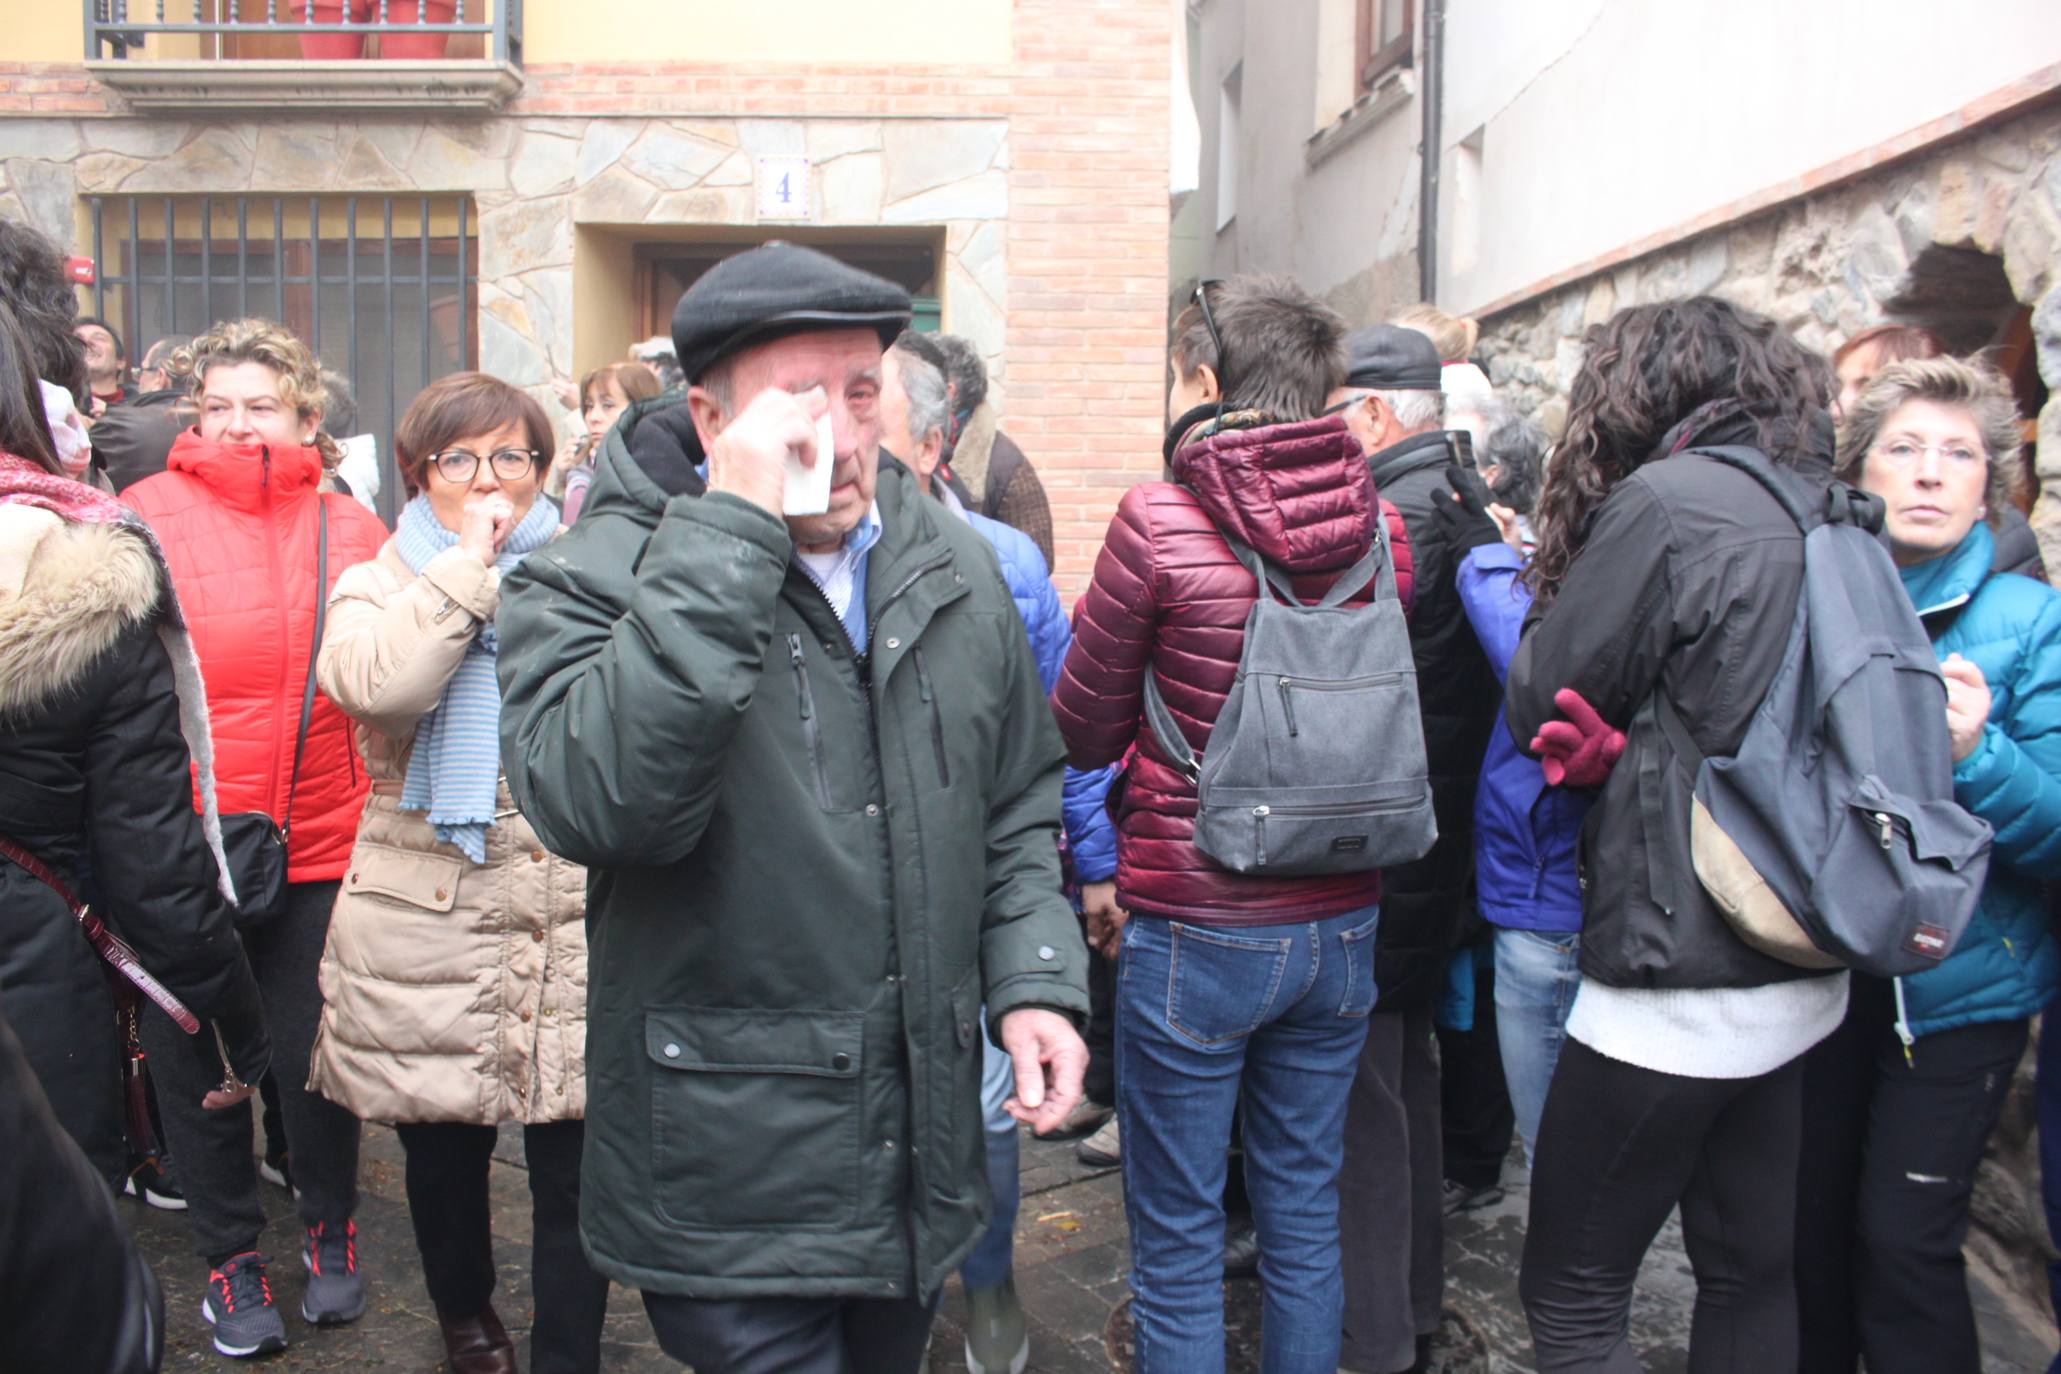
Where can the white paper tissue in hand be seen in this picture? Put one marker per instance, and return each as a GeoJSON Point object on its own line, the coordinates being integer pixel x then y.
{"type": "Point", "coordinates": [808, 488]}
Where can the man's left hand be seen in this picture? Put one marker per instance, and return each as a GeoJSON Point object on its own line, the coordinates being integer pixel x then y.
{"type": "Point", "coordinates": [1049, 1058]}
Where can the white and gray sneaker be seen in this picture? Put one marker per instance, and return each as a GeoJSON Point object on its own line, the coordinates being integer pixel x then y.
{"type": "Point", "coordinates": [1102, 1150]}
{"type": "Point", "coordinates": [335, 1292]}
{"type": "Point", "coordinates": [239, 1307]}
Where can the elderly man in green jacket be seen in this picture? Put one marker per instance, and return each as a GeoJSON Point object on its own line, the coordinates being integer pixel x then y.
{"type": "Point", "coordinates": [809, 765]}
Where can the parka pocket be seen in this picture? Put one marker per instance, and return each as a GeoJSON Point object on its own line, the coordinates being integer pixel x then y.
{"type": "Point", "coordinates": [755, 1116]}
{"type": "Point", "coordinates": [812, 728]}
{"type": "Point", "coordinates": [409, 876]}
{"type": "Point", "coordinates": [925, 690]}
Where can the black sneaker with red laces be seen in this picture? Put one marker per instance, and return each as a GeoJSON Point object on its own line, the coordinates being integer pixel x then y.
{"type": "Point", "coordinates": [335, 1292]}
{"type": "Point", "coordinates": [239, 1307]}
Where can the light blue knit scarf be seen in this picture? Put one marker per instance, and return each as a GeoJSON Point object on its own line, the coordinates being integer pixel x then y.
{"type": "Point", "coordinates": [456, 762]}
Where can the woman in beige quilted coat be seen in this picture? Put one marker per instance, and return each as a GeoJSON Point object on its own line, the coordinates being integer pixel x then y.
{"type": "Point", "coordinates": [454, 980]}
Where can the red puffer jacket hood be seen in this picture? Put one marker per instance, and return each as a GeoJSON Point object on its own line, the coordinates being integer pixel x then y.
{"type": "Point", "coordinates": [1169, 597]}
{"type": "Point", "coordinates": [238, 524]}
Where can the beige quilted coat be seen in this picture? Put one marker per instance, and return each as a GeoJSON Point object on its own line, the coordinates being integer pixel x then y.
{"type": "Point", "coordinates": [451, 991]}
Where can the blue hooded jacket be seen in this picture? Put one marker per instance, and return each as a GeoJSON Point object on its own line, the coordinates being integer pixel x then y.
{"type": "Point", "coordinates": [1525, 833]}
{"type": "Point", "coordinates": [1090, 834]}
{"type": "Point", "coordinates": [2006, 965]}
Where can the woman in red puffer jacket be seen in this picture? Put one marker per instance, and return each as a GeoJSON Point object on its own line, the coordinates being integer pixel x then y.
{"type": "Point", "coordinates": [238, 511]}
{"type": "Point", "coordinates": [1230, 985]}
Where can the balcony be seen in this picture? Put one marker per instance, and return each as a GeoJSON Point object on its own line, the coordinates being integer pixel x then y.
{"type": "Point", "coordinates": [236, 56]}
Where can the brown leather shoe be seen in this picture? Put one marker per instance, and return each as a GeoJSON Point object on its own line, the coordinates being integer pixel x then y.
{"type": "Point", "coordinates": [478, 1345]}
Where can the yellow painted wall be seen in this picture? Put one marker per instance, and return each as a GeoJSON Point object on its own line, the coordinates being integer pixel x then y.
{"type": "Point", "coordinates": [41, 31]}
{"type": "Point", "coordinates": [884, 31]}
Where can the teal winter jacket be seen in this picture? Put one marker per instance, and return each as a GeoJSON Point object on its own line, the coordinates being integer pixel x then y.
{"type": "Point", "coordinates": [2007, 964]}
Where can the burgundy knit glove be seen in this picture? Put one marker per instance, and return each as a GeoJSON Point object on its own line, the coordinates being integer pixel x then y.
{"type": "Point", "coordinates": [1579, 751]}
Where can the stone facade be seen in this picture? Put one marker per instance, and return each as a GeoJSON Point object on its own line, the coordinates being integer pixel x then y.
{"type": "Point", "coordinates": [1959, 238]}
{"type": "Point", "coordinates": [1913, 241]}
{"type": "Point", "coordinates": [1044, 177]}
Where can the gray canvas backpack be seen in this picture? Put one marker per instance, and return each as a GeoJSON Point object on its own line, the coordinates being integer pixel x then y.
{"type": "Point", "coordinates": [1316, 763]}
{"type": "Point", "coordinates": [1831, 838]}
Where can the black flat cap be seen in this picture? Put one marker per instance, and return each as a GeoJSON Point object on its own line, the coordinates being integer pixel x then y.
{"type": "Point", "coordinates": [774, 289]}
{"type": "Point", "coordinates": [1388, 357]}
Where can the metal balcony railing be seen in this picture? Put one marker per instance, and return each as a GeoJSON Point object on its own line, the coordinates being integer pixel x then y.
{"type": "Point", "coordinates": [118, 28]}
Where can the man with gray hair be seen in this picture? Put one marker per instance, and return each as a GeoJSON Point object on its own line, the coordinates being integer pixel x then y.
{"type": "Point", "coordinates": [132, 442]}
{"type": "Point", "coordinates": [1390, 1217]}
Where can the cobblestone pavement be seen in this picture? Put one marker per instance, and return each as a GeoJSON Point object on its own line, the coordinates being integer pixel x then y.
{"type": "Point", "coordinates": [1070, 1262]}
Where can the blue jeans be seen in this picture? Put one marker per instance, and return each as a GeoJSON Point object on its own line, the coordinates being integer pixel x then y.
{"type": "Point", "coordinates": [1537, 975]}
{"type": "Point", "coordinates": [994, 1254]}
{"type": "Point", "coordinates": [1208, 1017]}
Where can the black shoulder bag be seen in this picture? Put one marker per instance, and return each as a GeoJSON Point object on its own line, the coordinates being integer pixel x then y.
{"type": "Point", "coordinates": [253, 842]}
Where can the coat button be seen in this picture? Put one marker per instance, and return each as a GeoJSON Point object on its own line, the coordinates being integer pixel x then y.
{"type": "Point", "coordinates": [840, 1062]}
{"type": "Point", "coordinates": [354, 880]}
{"type": "Point", "coordinates": [672, 1051]}
{"type": "Point", "coordinates": [525, 1013]}
{"type": "Point", "coordinates": [871, 809]}
{"type": "Point", "coordinates": [1047, 952]}
{"type": "Point", "coordinates": [894, 643]}
{"type": "Point", "coordinates": [536, 856]}
{"type": "Point", "coordinates": [965, 1030]}
{"type": "Point", "coordinates": [442, 895]}
{"type": "Point", "coordinates": [887, 1146]}
{"type": "Point", "coordinates": [537, 936]}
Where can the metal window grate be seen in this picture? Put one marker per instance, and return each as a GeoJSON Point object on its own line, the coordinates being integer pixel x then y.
{"type": "Point", "coordinates": [383, 287]}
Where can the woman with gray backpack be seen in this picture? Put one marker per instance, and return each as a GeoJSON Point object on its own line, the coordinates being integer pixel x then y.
{"type": "Point", "coordinates": [1901, 1099]}
{"type": "Point", "coordinates": [1667, 584]}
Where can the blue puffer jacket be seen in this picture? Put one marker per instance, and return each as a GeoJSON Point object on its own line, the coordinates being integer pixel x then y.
{"type": "Point", "coordinates": [1525, 833]}
{"type": "Point", "coordinates": [2006, 965]}
{"type": "Point", "coordinates": [1090, 835]}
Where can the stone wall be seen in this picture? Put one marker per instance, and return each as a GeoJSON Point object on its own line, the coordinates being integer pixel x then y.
{"type": "Point", "coordinates": [1831, 263]}
{"type": "Point", "coordinates": [1960, 236]}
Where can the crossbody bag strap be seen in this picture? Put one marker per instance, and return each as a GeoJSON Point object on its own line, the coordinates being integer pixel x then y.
{"type": "Point", "coordinates": [300, 738]}
{"type": "Point", "coordinates": [110, 946]}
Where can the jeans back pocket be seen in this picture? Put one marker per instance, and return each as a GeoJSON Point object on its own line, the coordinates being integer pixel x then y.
{"type": "Point", "coordinates": [1220, 987]}
{"type": "Point", "coordinates": [1356, 946]}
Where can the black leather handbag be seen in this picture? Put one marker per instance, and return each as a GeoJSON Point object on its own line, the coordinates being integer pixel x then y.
{"type": "Point", "coordinates": [254, 843]}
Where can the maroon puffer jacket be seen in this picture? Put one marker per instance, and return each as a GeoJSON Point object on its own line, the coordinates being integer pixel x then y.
{"type": "Point", "coordinates": [1168, 595]}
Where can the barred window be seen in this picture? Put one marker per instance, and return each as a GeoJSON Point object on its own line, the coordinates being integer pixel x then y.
{"type": "Point", "coordinates": [384, 288]}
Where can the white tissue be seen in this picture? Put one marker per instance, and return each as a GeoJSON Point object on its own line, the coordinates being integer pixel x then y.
{"type": "Point", "coordinates": [808, 488]}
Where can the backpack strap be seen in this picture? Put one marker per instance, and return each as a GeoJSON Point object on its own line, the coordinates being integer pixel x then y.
{"type": "Point", "coordinates": [1167, 730]}
{"type": "Point", "coordinates": [1843, 504]}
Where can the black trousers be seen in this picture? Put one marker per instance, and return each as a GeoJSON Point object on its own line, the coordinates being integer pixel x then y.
{"type": "Point", "coordinates": [1476, 1121]}
{"type": "Point", "coordinates": [1099, 1082]}
{"type": "Point", "coordinates": [448, 1163]}
{"type": "Point", "coordinates": [211, 1151]}
{"type": "Point", "coordinates": [1619, 1147]}
{"type": "Point", "coordinates": [1390, 1196]}
{"type": "Point", "coordinates": [1882, 1197]}
{"type": "Point", "coordinates": [792, 1335]}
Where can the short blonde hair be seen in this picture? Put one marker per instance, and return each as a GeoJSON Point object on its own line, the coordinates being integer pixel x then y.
{"type": "Point", "coordinates": [1453, 336]}
{"type": "Point", "coordinates": [231, 342]}
{"type": "Point", "coordinates": [1972, 387]}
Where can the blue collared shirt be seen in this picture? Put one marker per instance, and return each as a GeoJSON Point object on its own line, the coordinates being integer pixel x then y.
{"type": "Point", "coordinates": [841, 576]}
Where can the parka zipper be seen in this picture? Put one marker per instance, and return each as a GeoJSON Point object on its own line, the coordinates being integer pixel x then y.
{"type": "Point", "coordinates": [937, 719]}
{"type": "Point", "coordinates": [1290, 685]}
{"type": "Point", "coordinates": [811, 730]}
{"type": "Point", "coordinates": [279, 807]}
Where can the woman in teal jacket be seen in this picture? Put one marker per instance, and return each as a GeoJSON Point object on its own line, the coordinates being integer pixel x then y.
{"type": "Point", "coordinates": [1901, 1100]}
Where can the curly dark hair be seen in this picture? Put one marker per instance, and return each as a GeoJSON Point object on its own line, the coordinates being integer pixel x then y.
{"type": "Point", "coordinates": [33, 282]}
{"type": "Point", "coordinates": [1645, 370]}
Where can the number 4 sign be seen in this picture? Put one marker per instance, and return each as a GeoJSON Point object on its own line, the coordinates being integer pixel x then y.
{"type": "Point", "coordinates": [783, 187]}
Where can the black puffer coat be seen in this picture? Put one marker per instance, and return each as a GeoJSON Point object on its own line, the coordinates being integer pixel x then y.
{"type": "Point", "coordinates": [1424, 903]}
{"type": "Point", "coordinates": [95, 783]}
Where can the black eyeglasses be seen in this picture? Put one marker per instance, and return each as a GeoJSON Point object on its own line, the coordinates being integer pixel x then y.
{"type": "Point", "coordinates": [1216, 340]}
{"type": "Point", "coordinates": [458, 466]}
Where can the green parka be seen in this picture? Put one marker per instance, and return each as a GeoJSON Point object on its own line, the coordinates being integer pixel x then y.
{"type": "Point", "coordinates": [808, 872]}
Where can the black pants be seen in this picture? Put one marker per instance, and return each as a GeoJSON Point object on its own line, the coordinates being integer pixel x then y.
{"type": "Point", "coordinates": [448, 1163]}
{"type": "Point", "coordinates": [1618, 1148]}
{"type": "Point", "coordinates": [1390, 1196]}
{"type": "Point", "coordinates": [1476, 1122]}
{"type": "Point", "coordinates": [212, 1150]}
{"type": "Point", "coordinates": [1882, 1197]}
{"type": "Point", "coordinates": [792, 1335]}
{"type": "Point", "coordinates": [1099, 1082]}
